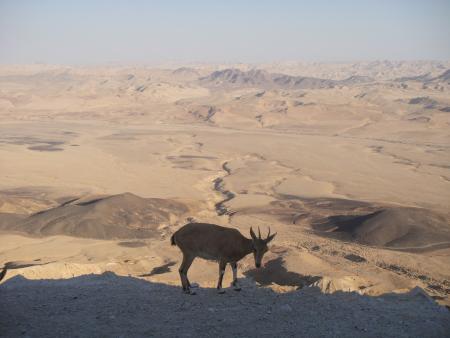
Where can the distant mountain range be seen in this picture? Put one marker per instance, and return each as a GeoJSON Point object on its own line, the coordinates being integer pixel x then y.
{"type": "Point", "coordinates": [186, 71]}
{"type": "Point", "coordinates": [233, 77]}
{"type": "Point", "coordinates": [426, 78]}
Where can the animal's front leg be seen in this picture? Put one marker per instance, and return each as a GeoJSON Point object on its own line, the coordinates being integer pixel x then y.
{"type": "Point", "coordinates": [222, 266]}
{"type": "Point", "coordinates": [235, 285]}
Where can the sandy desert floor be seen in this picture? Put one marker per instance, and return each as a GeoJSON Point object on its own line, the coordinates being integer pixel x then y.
{"type": "Point", "coordinates": [349, 164]}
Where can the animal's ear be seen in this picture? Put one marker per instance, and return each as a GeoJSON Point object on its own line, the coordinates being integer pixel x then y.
{"type": "Point", "coordinates": [269, 238]}
{"type": "Point", "coordinates": [252, 234]}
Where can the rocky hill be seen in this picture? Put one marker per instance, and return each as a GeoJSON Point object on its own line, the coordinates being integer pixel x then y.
{"type": "Point", "coordinates": [233, 77]}
{"type": "Point", "coordinates": [119, 216]}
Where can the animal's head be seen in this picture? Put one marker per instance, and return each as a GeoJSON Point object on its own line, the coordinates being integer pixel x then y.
{"type": "Point", "coordinates": [260, 245]}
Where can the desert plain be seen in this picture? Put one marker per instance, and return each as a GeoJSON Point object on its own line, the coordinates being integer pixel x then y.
{"type": "Point", "coordinates": [348, 162]}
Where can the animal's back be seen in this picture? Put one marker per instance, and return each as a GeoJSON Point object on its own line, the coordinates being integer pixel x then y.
{"type": "Point", "coordinates": [206, 240]}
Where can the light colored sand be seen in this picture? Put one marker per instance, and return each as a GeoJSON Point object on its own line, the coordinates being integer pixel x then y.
{"type": "Point", "coordinates": [161, 135]}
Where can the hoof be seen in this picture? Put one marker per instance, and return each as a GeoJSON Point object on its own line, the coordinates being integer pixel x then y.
{"type": "Point", "coordinates": [237, 289]}
{"type": "Point", "coordinates": [221, 291]}
{"type": "Point", "coordinates": [189, 292]}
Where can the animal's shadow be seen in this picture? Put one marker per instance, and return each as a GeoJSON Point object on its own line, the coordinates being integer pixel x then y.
{"type": "Point", "coordinates": [275, 272]}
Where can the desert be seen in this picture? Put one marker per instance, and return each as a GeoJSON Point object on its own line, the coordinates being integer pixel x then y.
{"type": "Point", "coordinates": [348, 163]}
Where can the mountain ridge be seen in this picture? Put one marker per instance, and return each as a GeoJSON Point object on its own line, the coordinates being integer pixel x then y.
{"type": "Point", "coordinates": [233, 77]}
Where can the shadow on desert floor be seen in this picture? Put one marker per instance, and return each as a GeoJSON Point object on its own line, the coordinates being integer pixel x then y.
{"type": "Point", "coordinates": [275, 272]}
{"type": "Point", "coordinates": [112, 305]}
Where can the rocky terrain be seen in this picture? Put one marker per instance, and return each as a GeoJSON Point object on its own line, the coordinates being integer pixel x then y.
{"type": "Point", "coordinates": [348, 163]}
{"type": "Point", "coordinates": [127, 306]}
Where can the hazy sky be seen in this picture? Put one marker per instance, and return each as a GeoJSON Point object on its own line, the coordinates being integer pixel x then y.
{"type": "Point", "coordinates": [95, 32]}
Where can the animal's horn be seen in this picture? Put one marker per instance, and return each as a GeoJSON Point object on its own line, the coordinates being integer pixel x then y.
{"type": "Point", "coordinates": [269, 237]}
{"type": "Point", "coordinates": [252, 233]}
{"type": "Point", "coordinates": [259, 233]}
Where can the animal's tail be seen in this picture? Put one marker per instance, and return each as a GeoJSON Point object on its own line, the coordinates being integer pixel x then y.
{"type": "Point", "coordinates": [172, 240]}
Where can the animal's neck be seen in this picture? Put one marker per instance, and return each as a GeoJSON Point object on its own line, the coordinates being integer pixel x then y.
{"type": "Point", "coordinates": [248, 246]}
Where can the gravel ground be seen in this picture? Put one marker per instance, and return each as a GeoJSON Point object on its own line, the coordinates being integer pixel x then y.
{"type": "Point", "coordinates": [111, 306]}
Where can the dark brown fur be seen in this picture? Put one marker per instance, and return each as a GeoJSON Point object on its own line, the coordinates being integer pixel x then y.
{"type": "Point", "coordinates": [214, 242]}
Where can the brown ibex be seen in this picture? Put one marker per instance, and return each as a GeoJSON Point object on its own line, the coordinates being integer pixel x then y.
{"type": "Point", "coordinates": [214, 242]}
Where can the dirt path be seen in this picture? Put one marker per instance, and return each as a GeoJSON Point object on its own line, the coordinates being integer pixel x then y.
{"type": "Point", "coordinates": [112, 306]}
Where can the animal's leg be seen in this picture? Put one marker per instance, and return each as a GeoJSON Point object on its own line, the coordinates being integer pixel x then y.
{"type": "Point", "coordinates": [222, 266]}
{"type": "Point", "coordinates": [180, 270]}
{"type": "Point", "coordinates": [235, 281]}
{"type": "Point", "coordinates": [188, 265]}
{"type": "Point", "coordinates": [184, 267]}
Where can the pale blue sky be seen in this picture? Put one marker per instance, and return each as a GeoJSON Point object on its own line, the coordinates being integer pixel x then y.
{"type": "Point", "coordinates": [96, 32]}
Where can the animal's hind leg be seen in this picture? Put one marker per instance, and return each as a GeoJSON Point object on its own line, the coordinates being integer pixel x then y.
{"type": "Point", "coordinates": [184, 267]}
{"type": "Point", "coordinates": [188, 265]}
{"type": "Point", "coordinates": [181, 270]}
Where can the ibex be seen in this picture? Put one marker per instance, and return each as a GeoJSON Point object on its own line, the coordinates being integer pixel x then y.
{"type": "Point", "coordinates": [214, 242]}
